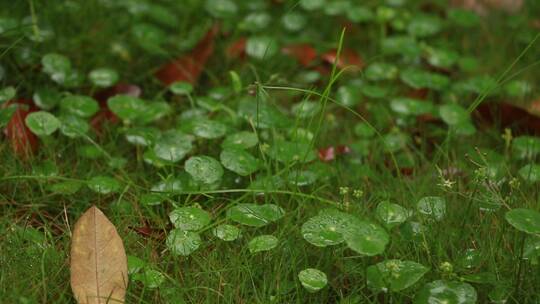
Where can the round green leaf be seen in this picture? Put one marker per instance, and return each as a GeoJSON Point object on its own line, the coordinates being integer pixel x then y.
{"type": "Point", "coordinates": [73, 126]}
{"type": "Point", "coordinates": [394, 275]}
{"type": "Point", "coordinates": [424, 26]}
{"type": "Point", "coordinates": [360, 13]}
{"type": "Point", "coordinates": [66, 188]}
{"type": "Point", "coordinates": [150, 278]}
{"type": "Point", "coordinates": [142, 136]}
{"type": "Point", "coordinates": [239, 161]}
{"type": "Point", "coordinates": [432, 206]}
{"type": "Point", "coordinates": [518, 88]}
{"type": "Point", "coordinates": [262, 114]}
{"type": "Point", "coordinates": [7, 93]}
{"type": "Point", "coordinates": [374, 91]}
{"type": "Point", "coordinates": [400, 45]}
{"type": "Point", "coordinates": [104, 184]}
{"type": "Point", "coordinates": [240, 140]}
{"type": "Point", "coordinates": [419, 79]}
{"type": "Point", "coordinates": [312, 279]}
{"type": "Point", "coordinates": [410, 106]}
{"type": "Point", "coordinates": [79, 105]}
{"type": "Point", "coordinates": [453, 114]}
{"type": "Point", "coordinates": [182, 242]}
{"type": "Point", "coordinates": [326, 228]}
{"type": "Point", "coordinates": [173, 146]}
{"type": "Point", "coordinates": [261, 47]}
{"type": "Point", "coordinates": [312, 4]}
{"type": "Point", "coordinates": [262, 243]}
{"type": "Point", "coordinates": [42, 123]}
{"type": "Point", "coordinates": [305, 109]}
{"type": "Point", "coordinates": [526, 147]}
{"type": "Point", "coordinates": [170, 185]}
{"type": "Point", "coordinates": [364, 130]}
{"type": "Point", "coordinates": [56, 66]}
{"type": "Point", "coordinates": [208, 129]}
{"type": "Point", "coordinates": [366, 238]}
{"type": "Point", "coordinates": [255, 22]}
{"type": "Point", "coordinates": [441, 58]}
{"type": "Point", "coordinates": [255, 215]}
{"type": "Point", "coordinates": [524, 220]}
{"type": "Point", "coordinates": [181, 88]}
{"type": "Point", "coordinates": [227, 233]}
{"type": "Point", "coordinates": [287, 152]}
{"type": "Point", "coordinates": [189, 218]}
{"type": "Point", "coordinates": [103, 77]}
{"type": "Point", "coordinates": [446, 292]}
{"type": "Point", "coordinates": [204, 169]}
{"type": "Point", "coordinates": [149, 37]}
{"type": "Point", "coordinates": [381, 71]}
{"type": "Point", "coordinates": [154, 111]}
{"type": "Point", "coordinates": [293, 21]}
{"type": "Point", "coordinates": [348, 95]}
{"type": "Point", "coordinates": [135, 264]}
{"type": "Point", "coordinates": [301, 178]}
{"type": "Point", "coordinates": [391, 215]}
{"type": "Point", "coordinates": [128, 108]}
{"type": "Point", "coordinates": [530, 173]}
{"type": "Point", "coordinates": [221, 8]}
{"type": "Point", "coordinates": [395, 141]}
{"type": "Point", "coordinates": [46, 98]}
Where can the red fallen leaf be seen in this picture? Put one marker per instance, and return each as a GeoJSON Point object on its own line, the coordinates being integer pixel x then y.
{"type": "Point", "coordinates": [348, 58]}
{"type": "Point", "coordinates": [523, 120]}
{"type": "Point", "coordinates": [23, 142]}
{"type": "Point", "coordinates": [237, 49]}
{"type": "Point", "coordinates": [189, 67]}
{"type": "Point", "coordinates": [534, 107]}
{"type": "Point", "coordinates": [147, 231]}
{"type": "Point", "coordinates": [327, 154]}
{"type": "Point", "coordinates": [104, 114]}
{"type": "Point", "coordinates": [343, 149]}
{"type": "Point", "coordinates": [418, 93]}
{"type": "Point", "coordinates": [304, 53]}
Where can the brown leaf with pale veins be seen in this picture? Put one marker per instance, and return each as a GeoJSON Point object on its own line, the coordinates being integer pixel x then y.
{"type": "Point", "coordinates": [98, 260]}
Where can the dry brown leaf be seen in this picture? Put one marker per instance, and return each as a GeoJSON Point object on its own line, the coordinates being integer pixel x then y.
{"type": "Point", "coordinates": [98, 260]}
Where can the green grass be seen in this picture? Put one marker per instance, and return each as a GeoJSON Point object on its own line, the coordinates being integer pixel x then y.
{"type": "Point", "coordinates": [469, 171]}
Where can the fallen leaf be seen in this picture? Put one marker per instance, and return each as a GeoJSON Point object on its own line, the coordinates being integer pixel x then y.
{"type": "Point", "coordinates": [104, 114]}
{"type": "Point", "coordinates": [482, 7]}
{"type": "Point", "coordinates": [188, 68]}
{"type": "Point", "coordinates": [23, 142]}
{"type": "Point", "coordinates": [521, 119]}
{"type": "Point", "coordinates": [304, 53]}
{"type": "Point", "coordinates": [348, 59]}
{"type": "Point", "coordinates": [327, 154]}
{"type": "Point", "coordinates": [98, 260]}
{"type": "Point", "coordinates": [237, 49]}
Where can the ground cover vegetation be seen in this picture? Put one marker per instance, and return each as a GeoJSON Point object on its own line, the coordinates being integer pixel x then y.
{"type": "Point", "coordinates": [308, 151]}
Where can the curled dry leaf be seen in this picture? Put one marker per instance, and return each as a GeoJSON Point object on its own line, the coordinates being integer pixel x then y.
{"type": "Point", "coordinates": [188, 68]}
{"type": "Point", "coordinates": [98, 260]}
{"type": "Point", "coordinates": [22, 140]}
